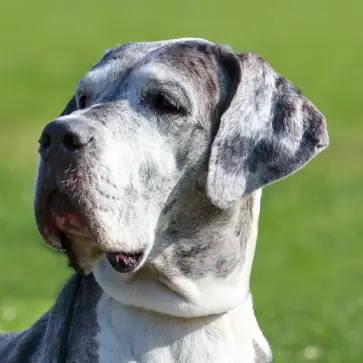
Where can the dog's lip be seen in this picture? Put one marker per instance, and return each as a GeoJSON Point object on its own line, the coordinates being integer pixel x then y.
{"type": "Point", "coordinates": [63, 216]}
{"type": "Point", "coordinates": [64, 224]}
{"type": "Point", "coordinates": [72, 223]}
{"type": "Point", "coordinates": [54, 222]}
{"type": "Point", "coordinates": [124, 262]}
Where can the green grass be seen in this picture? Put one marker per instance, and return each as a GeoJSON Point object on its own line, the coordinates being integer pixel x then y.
{"type": "Point", "coordinates": [307, 276]}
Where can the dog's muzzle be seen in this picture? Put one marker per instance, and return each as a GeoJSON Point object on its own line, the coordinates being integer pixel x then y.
{"type": "Point", "coordinates": [60, 206]}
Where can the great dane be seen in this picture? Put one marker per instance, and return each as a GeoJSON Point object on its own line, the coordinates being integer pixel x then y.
{"type": "Point", "coordinates": [150, 181]}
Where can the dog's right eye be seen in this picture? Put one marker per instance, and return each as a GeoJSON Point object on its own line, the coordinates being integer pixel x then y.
{"type": "Point", "coordinates": [163, 103]}
{"type": "Point", "coordinates": [166, 104]}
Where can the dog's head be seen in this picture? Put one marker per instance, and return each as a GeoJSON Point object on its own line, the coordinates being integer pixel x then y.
{"type": "Point", "coordinates": [153, 164]}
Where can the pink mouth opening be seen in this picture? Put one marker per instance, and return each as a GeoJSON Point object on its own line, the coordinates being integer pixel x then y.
{"type": "Point", "coordinates": [124, 262]}
{"type": "Point", "coordinates": [63, 217]}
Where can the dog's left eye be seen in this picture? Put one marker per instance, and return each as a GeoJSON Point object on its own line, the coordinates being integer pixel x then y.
{"type": "Point", "coordinates": [82, 102]}
{"type": "Point", "coordinates": [165, 104]}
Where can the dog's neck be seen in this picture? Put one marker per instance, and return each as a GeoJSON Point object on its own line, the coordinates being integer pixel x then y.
{"type": "Point", "coordinates": [178, 295]}
{"type": "Point", "coordinates": [181, 320]}
{"type": "Point", "coordinates": [132, 334]}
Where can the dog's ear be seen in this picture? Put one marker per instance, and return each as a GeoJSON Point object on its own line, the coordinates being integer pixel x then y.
{"type": "Point", "coordinates": [268, 130]}
{"type": "Point", "coordinates": [71, 107]}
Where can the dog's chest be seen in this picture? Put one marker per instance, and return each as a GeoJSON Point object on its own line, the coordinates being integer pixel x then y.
{"type": "Point", "coordinates": [127, 335]}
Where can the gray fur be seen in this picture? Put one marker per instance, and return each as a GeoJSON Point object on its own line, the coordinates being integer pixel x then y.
{"type": "Point", "coordinates": [269, 131]}
{"type": "Point", "coordinates": [261, 355]}
{"type": "Point", "coordinates": [177, 186]}
{"type": "Point", "coordinates": [41, 342]}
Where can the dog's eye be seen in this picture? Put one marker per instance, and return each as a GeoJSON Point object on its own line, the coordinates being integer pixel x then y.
{"type": "Point", "coordinates": [166, 104]}
{"type": "Point", "coordinates": [82, 102]}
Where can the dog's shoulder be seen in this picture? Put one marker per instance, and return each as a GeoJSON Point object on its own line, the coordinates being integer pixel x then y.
{"type": "Point", "coordinates": [44, 340]}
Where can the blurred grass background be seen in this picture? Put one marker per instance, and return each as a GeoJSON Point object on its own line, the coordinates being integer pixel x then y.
{"type": "Point", "coordinates": [307, 277]}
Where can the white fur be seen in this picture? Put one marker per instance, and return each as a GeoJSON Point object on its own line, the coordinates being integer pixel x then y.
{"type": "Point", "coordinates": [132, 335]}
{"type": "Point", "coordinates": [143, 320]}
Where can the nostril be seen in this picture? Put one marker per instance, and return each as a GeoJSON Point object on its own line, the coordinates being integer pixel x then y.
{"type": "Point", "coordinates": [72, 141]}
{"type": "Point", "coordinates": [44, 140]}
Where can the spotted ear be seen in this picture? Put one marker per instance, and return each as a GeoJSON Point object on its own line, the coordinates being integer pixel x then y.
{"type": "Point", "coordinates": [71, 107]}
{"type": "Point", "coordinates": [269, 130]}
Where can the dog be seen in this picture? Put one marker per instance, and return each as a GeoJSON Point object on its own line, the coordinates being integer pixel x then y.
{"type": "Point", "coordinates": [150, 181]}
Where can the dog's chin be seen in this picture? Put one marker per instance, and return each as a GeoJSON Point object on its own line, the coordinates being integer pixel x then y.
{"type": "Point", "coordinates": [83, 254]}
{"type": "Point", "coordinates": [66, 228]}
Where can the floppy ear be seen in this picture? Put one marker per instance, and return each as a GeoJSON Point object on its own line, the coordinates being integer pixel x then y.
{"type": "Point", "coordinates": [71, 107]}
{"type": "Point", "coordinates": [269, 130]}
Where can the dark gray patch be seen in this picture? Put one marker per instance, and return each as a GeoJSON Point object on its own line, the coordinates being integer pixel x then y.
{"type": "Point", "coordinates": [234, 151]}
{"type": "Point", "coordinates": [147, 173]}
{"type": "Point", "coordinates": [186, 251]}
{"type": "Point", "coordinates": [203, 257]}
{"type": "Point", "coordinates": [226, 264]}
{"type": "Point", "coordinates": [202, 248]}
{"type": "Point", "coordinates": [262, 153]}
{"type": "Point", "coordinates": [220, 264]}
{"type": "Point", "coordinates": [169, 206]}
{"type": "Point", "coordinates": [182, 157]}
{"type": "Point", "coordinates": [314, 125]}
{"type": "Point", "coordinates": [204, 48]}
{"type": "Point", "coordinates": [273, 171]}
{"type": "Point", "coordinates": [84, 347]}
{"type": "Point", "coordinates": [282, 83]}
{"type": "Point", "coordinates": [261, 355]}
{"type": "Point", "coordinates": [229, 79]}
{"type": "Point", "coordinates": [202, 63]}
{"type": "Point", "coordinates": [284, 107]}
{"type": "Point", "coordinates": [211, 86]}
{"type": "Point", "coordinates": [186, 268]}
{"type": "Point", "coordinates": [191, 64]}
{"type": "Point", "coordinates": [190, 151]}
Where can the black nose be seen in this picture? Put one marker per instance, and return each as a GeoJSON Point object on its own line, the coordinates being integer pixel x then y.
{"type": "Point", "coordinates": [65, 136]}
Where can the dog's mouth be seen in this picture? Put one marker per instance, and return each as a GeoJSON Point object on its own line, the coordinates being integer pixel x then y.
{"type": "Point", "coordinates": [63, 217]}
{"type": "Point", "coordinates": [69, 226]}
{"type": "Point", "coordinates": [124, 262]}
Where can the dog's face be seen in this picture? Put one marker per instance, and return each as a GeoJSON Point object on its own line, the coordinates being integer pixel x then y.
{"type": "Point", "coordinates": [161, 140]}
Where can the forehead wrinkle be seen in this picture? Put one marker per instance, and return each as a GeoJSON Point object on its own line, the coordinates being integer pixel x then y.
{"type": "Point", "coordinates": [132, 56]}
{"type": "Point", "coordinates": [195, 63]}
{"type": "Point", "coordinates": [162, 74]}
{"type": "Point", "coordinates": [128, 55]}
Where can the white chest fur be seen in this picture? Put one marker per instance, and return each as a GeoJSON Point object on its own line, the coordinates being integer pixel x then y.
{"type": "Point", "coordinates": [132, 335]}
